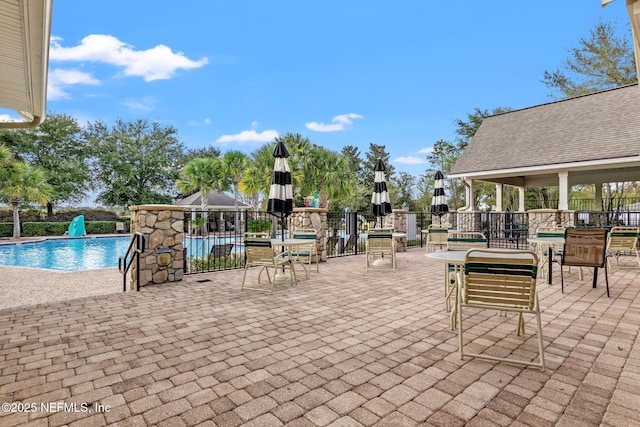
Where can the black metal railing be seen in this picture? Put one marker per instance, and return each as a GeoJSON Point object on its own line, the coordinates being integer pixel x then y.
{"type": "Point", "coordinates": [505, 229]}
{"type": "Point", "coordinates": [586, 205]}
{"type": "Point", "coordinates": [136, 247]}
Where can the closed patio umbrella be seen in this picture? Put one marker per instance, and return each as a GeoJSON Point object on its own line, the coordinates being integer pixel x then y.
{"type": "Point", "coordinates": [280, 201]}
{"type": "Point", "coordinates": [380, 203]}
{"type": "Point", "coordinates": [439, 204]}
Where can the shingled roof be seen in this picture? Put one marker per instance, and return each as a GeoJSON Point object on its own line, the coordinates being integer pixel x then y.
{"type": "Point", "coordinates": [215, 199]}
{"type": "Point", "coordinates": [601, 127]}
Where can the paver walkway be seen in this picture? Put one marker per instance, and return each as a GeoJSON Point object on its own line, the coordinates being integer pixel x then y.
{"type": "Point", "coordinates": [343, 348]}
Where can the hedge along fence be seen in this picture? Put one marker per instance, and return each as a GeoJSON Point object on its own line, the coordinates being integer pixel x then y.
{"type": "Point", "coordinates": [34, 229]}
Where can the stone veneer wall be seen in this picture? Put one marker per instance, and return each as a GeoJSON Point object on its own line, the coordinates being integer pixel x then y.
{"type": "Point", "coordinates": [315, 218]}
{"type": "Point", "coordinates": [162, 225]}
{"type": "Point", "coordinates": [398, 221]}
{"type": "Point", "coordinates": [550, 218]}
{"type": "Point", "coordinates": [464, 221]}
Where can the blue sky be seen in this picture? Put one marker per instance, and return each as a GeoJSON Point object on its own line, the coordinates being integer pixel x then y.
{"type": "Point", "coordinates": [236, 73]}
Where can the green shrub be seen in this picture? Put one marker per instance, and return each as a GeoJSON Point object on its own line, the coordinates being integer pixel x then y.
{"type": "Point", "coordinates": [6, 229]}
{"type": "Point", "coordinates": [210, 263]}
{"type": "Point", "coordinates": [100, 227]}
{"type": "Point", "coordinates": [258, 225]}
{"type": "Point", "coordinates": [41, 229]}
{"type": "Point", "coordinates": [33, 229]}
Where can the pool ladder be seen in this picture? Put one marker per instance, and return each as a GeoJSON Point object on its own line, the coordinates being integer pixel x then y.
{"type": "Point", "coordinates": [136, 247]}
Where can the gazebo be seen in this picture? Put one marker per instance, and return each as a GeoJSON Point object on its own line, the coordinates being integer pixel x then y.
{"type": "Point", "coordinates": [589, 139]}
{"type": "Point", "coordinates": [215, 200]}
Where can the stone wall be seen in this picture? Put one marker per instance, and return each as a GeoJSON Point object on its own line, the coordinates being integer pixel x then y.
{"type": "Point", "coordinates": [163, 227]}
{"type": "Point", "coordinates": [315, 218]}
{"type": "Point", "coordinates": [398, 221]}
{"type": "Point", "coordinates": [464, 220]}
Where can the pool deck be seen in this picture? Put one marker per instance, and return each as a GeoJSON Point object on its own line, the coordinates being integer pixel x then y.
{"type": "Point", "coordinates": [343, 348]}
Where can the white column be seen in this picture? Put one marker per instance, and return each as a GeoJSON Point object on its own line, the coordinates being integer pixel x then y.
{"type": "Point", "coordinates": [470, 200]}
{"type": "Point", "coordinates": [499, 198]}
{"type": "Point", "coordinates": [521, 194]}
{"type": "Point", "coordinates": [598, 186]}
{"type": "Point", "coordinates": [563, 189]}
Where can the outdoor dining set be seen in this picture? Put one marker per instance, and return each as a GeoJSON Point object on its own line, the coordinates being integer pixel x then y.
{"type": "Point", "coordinates": [505, 280]}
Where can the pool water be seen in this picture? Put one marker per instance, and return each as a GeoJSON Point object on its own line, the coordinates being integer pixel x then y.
{"type": "Point", "coordinates": [196, 245]}
{"type": "Point", "coordinates": [89, 253]}
{"type": "Point", "coordinates": [66, 254]}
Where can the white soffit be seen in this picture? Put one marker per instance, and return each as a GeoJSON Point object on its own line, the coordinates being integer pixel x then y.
{"type": "Point", "coordinates": [25, 30]}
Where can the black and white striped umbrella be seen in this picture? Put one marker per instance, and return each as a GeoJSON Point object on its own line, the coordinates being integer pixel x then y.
{"type": "Point", "coordinates": [439, 204]}
{"type": "Point", "coordinates": [380, 203]}
{"type": "Point", "coordinates": [281, 191]}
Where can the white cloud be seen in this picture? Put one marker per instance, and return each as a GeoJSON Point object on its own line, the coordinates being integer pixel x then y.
{"type": "Point", "coordinates": [7, 118]}
{"type": "Point", "coordinates": [157, 63]}
{"type": "Point", "coordinates": [339, 123]}
{"type": "Point", "coordinates": [60, 79]}
{"type": "Point", "coordinates": [426, 150]}
{"type": "Point", "coordinates": [249, 136]}
{"type": "Point", "coordinates": [204, 122]}
{"type": "Point", "coordinates": [144, 104]}
{"type": "Point", "coordinates": [409, 160]}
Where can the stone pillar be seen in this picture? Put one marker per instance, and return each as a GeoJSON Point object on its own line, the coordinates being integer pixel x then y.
{"type": "Point", "coordinates": [468, 220]}
{"type": "Point", "coordinates": [163, 228]}
{"type": "Point", "coordinates": [312, 218]}
{"type": "Point", "coordinates": [398, 221]}
{"type": "Point", "coordinates": [543, 218]}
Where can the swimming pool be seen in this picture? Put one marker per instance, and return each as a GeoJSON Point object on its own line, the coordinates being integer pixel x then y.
{"type": "Point", "coordinates": [88, 253]}
{"type": "Point", "coordinates": [66, 254]}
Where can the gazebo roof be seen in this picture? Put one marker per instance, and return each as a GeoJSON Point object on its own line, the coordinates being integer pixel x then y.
{"type": "Point", "coordinates": [595, 137]}
{"type": "Point", "coordinates": [215, 199]}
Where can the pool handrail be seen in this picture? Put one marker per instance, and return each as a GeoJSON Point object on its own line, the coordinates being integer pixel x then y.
{"type": "Point", "coordinates": [136, 247]}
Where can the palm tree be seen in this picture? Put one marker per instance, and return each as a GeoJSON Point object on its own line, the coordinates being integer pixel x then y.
{"type": "Point", "coordinates": [327, 172]}
{"type": "Point", "coordinates": [202, 174]}
{"type": "Point", "coordinates": [257, 175]}
{"type": "Point", "coordinates": [234, 163]}
{"type": "Point", "coordinates": [299, 148]}
{"type": "Point", "coordinates": [21, 181]}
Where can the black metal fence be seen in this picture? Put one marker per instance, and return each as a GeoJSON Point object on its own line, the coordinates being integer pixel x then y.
{"type": "Point", "coordinates": [505, 229]}
{"type": "Point", "coordinates": [589, 205]}
{"type": "Point", "coordinates": [213, 241]}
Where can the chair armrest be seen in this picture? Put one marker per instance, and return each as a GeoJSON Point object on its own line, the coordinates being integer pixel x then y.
{"type": "Point", "coordinates": [553, 252]}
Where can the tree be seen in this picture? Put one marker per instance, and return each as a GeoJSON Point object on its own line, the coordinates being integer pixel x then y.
{"type": "Point", "coordinates": [299, 148]}
{"type": "Point", "coordinates": [202, 174]}
{"type": "Point", "coordinates": [368, 175]}
{"type": "Point", "coordinates": [136, 162]}
{"type": "Point", "coordinates": [442, 158]}
{"type": "Point", "coordinates": [325, 171]}
{"type": "Point", "coordinates": [21, 181]}
{"type": "Point", "coordinates": [257, 176]}
{"type": "Point", "coordinates": [351, 154]}
{"type": "Point", "coordinates": [602, 61]}
{"type": "Point", "coordinates": [234, 163]}
{"type": "Point", "coordinates": [193, 153]}
{"type": "Point", "coordinates": [55, 147]}
{"type": "Point", "coordinates": [405, 184]}
{"type": "Point", "coordinates": [446, 154]}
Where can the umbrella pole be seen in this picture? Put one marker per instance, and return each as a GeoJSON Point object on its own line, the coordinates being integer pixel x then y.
{"type": "Point", "coordinates": [282, 232]}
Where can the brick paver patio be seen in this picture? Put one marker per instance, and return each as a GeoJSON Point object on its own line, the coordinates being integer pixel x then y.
{"type": "Point", "coordinates": [343, 348]}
